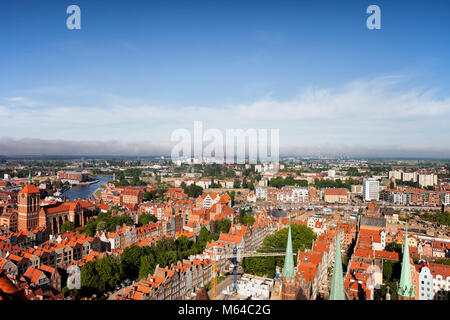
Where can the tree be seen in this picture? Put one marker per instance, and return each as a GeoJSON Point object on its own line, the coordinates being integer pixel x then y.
{"type": "Point", "coordinates": [68, 226]}
{"type": "Point", "coordinates": [131, 259]}
{"type": "Point", "coordinates": [394, 247]}
{"type": "Point", "coordinates": [236, 184]}
{"type": "Point", "coordinates": [193, 191]}
{"type": "Point", "coordinates": [302, 238]}
{"type": "Point", "coordinates": [147, 266]}
{"type": "Point", "coordinates": [110, 271]}
{"type": "Point", "coordinates": [102, 225]}
{"type": "Point", "coordinates": [90, 279]}
{"type": "Point", "coordinates": [246, 218]}
{"type": "Point", "coordinates": [222, 225]}
{"type": "Point", "coordinates": [150, 195]}
{"type": "Point", "coordinates": [145, 219]}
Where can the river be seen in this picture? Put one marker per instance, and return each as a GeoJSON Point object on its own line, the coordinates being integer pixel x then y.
{"type": "Point", "coordinates": [83, 192]}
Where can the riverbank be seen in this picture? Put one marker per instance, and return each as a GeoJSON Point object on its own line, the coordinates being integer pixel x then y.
{"type": "Point", "coordinates": [97, 194]}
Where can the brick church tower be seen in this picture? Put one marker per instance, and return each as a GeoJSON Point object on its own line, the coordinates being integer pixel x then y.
{"type": "Point", "coordinates": [28, 206]}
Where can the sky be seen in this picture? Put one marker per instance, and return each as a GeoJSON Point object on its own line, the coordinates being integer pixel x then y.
{"type": "Point", "coordinates": [138, 70]}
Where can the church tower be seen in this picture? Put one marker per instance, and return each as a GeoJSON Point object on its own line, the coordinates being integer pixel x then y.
{"type": "Point", "coordinates": [337, 282]}
{"type": "Point", "coordinates": [406, 290]}
{"type": "Point", "coordinates": [28, 206]}
{"type": "Point", "coordinates": [289, 285]}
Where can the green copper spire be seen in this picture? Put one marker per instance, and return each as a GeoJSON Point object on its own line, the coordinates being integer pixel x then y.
{"type": "Point", "coordinates": [337, 282]}
{"type": "Point", "coordinates": [405, 287]}
{"type": "Point", "coordinates": [29, 176]}
{"type": "Point", "coordinates": [288, 268]}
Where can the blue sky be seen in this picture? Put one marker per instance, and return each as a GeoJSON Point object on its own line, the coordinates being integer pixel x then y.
{"type": "Point", "coordinates": [141, 69]}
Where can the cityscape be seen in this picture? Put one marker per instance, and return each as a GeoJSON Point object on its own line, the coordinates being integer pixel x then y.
{"type": "Point", "coordinates": [243, 152]}
{"type": "Point", "coordinates": [152, 229]}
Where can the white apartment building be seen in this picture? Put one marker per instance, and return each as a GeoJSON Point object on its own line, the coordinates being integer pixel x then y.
{"type": "Point", "coordinates": [396, 174]}
{"type": "Point", "coordinates": [409, 176]}
{"type": "Point", "coordinates": [371, 189]}
{"type": "Point", "coordinates": [426, 180]}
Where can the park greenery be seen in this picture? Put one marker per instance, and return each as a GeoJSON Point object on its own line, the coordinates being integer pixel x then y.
{"type": "Point", "coordinates": [302, 238]}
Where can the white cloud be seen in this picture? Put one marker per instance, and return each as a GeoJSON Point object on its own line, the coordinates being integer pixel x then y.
{"type": "Point", "coordinates": [373, 112]}
{"type": "Point", "coordinates": [22, 102]}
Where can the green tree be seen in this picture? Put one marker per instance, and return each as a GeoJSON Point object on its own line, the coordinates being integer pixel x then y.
{"type": "Point", "coordinates": [246, 219]}
{"type": "Point", "coordinates": [147, 266]}
{"type": "Point", "coordinates": [193, 191]}
{"type": "Point", "coordinates": [101, 225]}
{"type": "Point", "coordinates": [68, 226]}
{"type": "Point", "coordinates": [131, 259]}
{"type": "Point", "coordinates": [110, 270]}
{"type": "Point", "coordinates": [150, 195]}
{"type": "Point", "coordinates": [394, 247]}
{"type": "Point", "coordinates": [145, 219]}
{"type": "Point", "coordinates": [91, 281]}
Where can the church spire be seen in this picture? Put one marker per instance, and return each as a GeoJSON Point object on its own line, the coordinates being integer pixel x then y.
{"type": "Point", "coordinates": [288, 268]}
{"type": "Point", "coordinates": [405, 288]}
{"type": "Point", "coordinates": [337, 282]}
{"type": "Point", "coordinates": [29, 176]}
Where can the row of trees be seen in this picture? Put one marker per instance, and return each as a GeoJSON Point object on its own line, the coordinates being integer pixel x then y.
{"type": "Point", "coordinates": [327, 183]}
{"type": "Point", "coordinates": [280, 182]}
{"type": "Point", "coordinates": [103, 275]}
